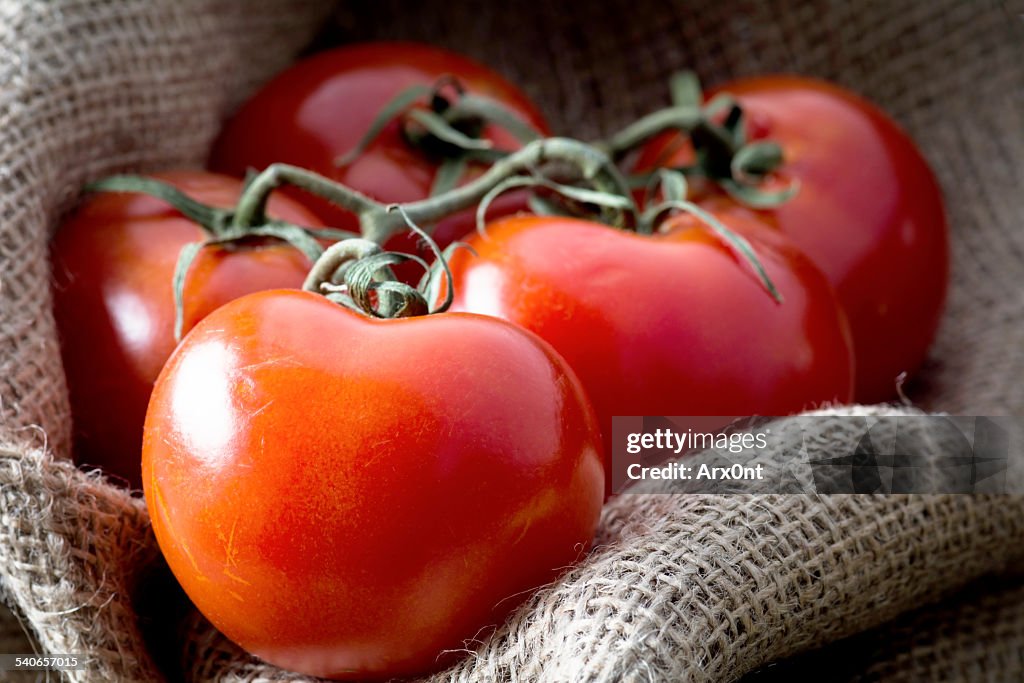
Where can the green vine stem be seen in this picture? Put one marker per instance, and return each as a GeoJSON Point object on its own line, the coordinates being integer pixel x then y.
{"type": "Point", "coordinates": [377, 223]}
{"type": "Point", "coordinates": [683, 119]}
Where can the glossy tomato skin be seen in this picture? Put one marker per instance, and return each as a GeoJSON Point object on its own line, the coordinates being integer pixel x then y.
{"type": "Point", "coordinates": [349, 497]}
{"type": "Point", "coordinates": [869, 213]}
{"type": "Point", "coordinates": [113, 261]}
{"type": "Point", "coordinates": [320, 108]}
{"type": "Point", "coordinates": [670, 324]}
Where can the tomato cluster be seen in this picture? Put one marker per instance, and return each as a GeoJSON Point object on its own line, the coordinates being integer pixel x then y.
{"type": "Point", "coordinates": [355, 490]}
{"type": "Point", "coordinates": [868, 212]}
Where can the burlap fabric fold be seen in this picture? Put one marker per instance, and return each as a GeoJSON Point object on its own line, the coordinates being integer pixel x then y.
{"type": "Point", "coordinates": [678, 587]}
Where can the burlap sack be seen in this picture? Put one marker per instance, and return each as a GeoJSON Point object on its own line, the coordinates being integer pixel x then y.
{"type": "Point", "coordinates": [678, 588]}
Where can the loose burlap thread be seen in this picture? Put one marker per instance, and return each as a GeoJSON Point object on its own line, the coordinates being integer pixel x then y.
{"type": "Point", "coordinates": [678, 587]}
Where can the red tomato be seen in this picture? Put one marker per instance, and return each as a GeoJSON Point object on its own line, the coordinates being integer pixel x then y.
{"type": "Point", "coordinates": [113, 261]}
{"type": "Point", "coordinates": [869, 213]}
{"type": "Point", "coordinates": [320, 108]}
{"type": "Point", "coordinates": [671, 324]}
{"type": "Point", "coordinates": [349, 497]}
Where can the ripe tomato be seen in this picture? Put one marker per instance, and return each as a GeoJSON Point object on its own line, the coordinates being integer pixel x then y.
{"type": "Point", "coordinates": [869, 213]}
{"type": "Point", "coordinates": [350, 497]}
{"type": "Point", "coordinates": [320, 108]}
{"type": "Point", "coordinates": [671, 324]}
{"type": "Point", "coordinates": [113, 261]}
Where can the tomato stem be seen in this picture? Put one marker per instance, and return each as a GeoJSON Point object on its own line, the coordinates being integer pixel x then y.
{"type": "Point", "coordinates": [252, 204]}
{"type": "Point", "coordinates": [640, 131]}
{"type": "Point", "coordinates": [593, 166]}
{"type": "Point", "coordinates": [377, 223]}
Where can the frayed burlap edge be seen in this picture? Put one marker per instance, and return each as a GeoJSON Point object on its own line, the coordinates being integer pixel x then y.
{"type": "Point", "coordinates": [71, 549]}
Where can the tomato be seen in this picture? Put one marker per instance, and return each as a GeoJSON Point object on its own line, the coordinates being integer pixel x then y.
{"type": "Point", "coordinates": [869, 212]}
{"type": "Point", "coordinates": [320, 108]}
{"type": "Point", "coordinates": [669, 324]}
{"type": "Point", "coordinates": [113, 262]}
{"type": "Point", "coordinates": [351, 497]}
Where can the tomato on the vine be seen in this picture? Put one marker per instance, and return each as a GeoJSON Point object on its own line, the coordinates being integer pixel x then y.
{"type": "Point", "coordinates": [352, 497]}
{"type": "Point", "coordinates": [669, 324]}
{"type": "Point", "coordinates": [113, 262]}
{"type": "Point", "coordinates": [868, 212]}
{"type": "Point", "coordinates": [319, 109]}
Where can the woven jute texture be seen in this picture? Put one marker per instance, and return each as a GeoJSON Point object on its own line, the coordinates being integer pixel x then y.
{"type": "Point", "coordinates": [699, 588]}
{"type": "Point", "coordinates": [974, 636]}
{"type": "Point", "coordinates": [88, 88]}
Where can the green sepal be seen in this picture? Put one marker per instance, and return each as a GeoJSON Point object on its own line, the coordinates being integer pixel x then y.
{"type": "Point", "coordinates": [186, 257]}
{"type": "Point", "coordinates": [440, 128]}
{"type": "Point", "coordinates": [388, 113]}
{"type": "Point", "coordinates": [733, 240]}
{"type": "Point", "coordinates": [686, 90]}
{"type": "Point", "coordinates": [212, 220]}
{"type": "Point", "coordinates": [439, 257]}
{"type": "Point", "coordinates": [300, 238]}
{"type": "Point", "coordinates": [448, 175]}
{"type": "Point", "coordinates": [431, 280]}
{"type": "Point", "coordinates": [471, 106]}
{"type": "Point", "coordinates": [756, 198]}
{"type": "Point", "coordinates": [673, 185]}
{"type": "Point", "coordinates": [370, 275]}
{"type": "Point", "coordinates": [756, 160]}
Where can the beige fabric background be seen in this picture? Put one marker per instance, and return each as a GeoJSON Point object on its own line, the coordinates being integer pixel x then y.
{"type": "Point", "coordinates": [679, 588]}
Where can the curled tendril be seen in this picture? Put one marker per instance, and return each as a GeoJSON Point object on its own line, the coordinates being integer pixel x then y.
{"type": "Point", "coordinates": [436, 125]}
{"type": "Point", "coordinates": [373, 292]}
{"type": "Point", "coordinates": [439, 258]}
{"type": "Point", "coordinates": [326, 269]}
{"type": "Point", "coordinates": [357, 274]}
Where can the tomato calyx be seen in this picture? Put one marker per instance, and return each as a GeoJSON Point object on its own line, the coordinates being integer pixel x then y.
{"type": "Point", "coordinates": [446, 122]}
{"type": "Point", "coordinates": [671, 185]}
{"type": "Point", "coordinates": [220, 228]}
{"type": "Point", "coordinates": [356, 273]}
{"type": "Point", "coordinates": [716, 130]}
